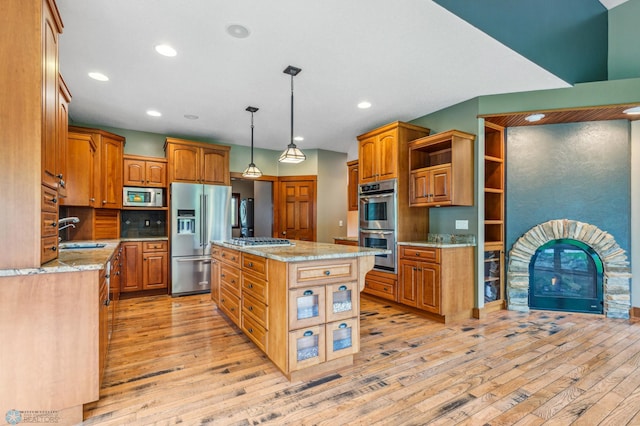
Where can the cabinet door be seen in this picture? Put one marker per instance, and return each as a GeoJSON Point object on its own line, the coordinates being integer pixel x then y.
{"type": "Point", "coordinates": [154, 266]}
{"type": "Point", "coordinates": [63, 129]}
{"type": "Point", "coordinates": [440, 184]}
{"type": "Point", "coordinates": [134, 172]}
{"type": "Point", "coordinates": [419, 188]}
{"type": "Point", "coordinates": [215, 167]}
{"type": "Point", "coordinates": [111, 176]}
{"type": "Point", "coordinates": [353, 186]}
{"type": "Point", "coordinates": [131, 267]}
{"type": "Point", "coordinates": [215, 281]}
{"type": "Point", "coordinates": [156, 174]}
{"type": "Point", "coordinates": [50, 100]}
{"type": "Point", "coordinates": [306, 307]}
{"type": "Point", "coordinates": [429, 287]}
{"type": "Point", "coordinates": [183, 163]}
{"type": "Point", "coordinates": [387, 156]}
{"type": "Point", "coordinates": [367, 160]}
{"type": "Point", "coordinates": [81, 150]}
{"type": "Point", "coordinates": [408, 281]}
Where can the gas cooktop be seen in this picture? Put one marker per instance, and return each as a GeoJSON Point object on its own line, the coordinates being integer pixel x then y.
{"type": "Point", "coordinates": [259, 241]}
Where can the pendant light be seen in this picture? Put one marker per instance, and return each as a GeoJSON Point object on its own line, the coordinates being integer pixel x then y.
{"type": "Point", "coordinates": [252, 171]}
{"type": "Point", "coordinates": [292, 154]}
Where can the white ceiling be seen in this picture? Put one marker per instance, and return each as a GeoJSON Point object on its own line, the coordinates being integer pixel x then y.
{"type": "Point", "coordinates": [408, 58]}
{"type": "Point", "coordinates": [610, 4]}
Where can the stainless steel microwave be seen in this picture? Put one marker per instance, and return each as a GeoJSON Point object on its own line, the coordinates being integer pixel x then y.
{"type": "Point", "coordinates": [142, 197]}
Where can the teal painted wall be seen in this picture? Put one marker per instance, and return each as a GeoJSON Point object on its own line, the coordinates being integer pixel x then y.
{"type": "Point", "coordinates": [624, 48]}
{"type": "Point", "coordinates": [462, 116]}
{"type": "Point", "coordinates": [567, 37]}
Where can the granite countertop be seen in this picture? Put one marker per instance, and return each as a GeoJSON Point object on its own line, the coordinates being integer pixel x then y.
{"type": "Point", "coordinates": [302, 251]}
{"type": "Point", "coordinates": [435, 244]}
{"type": "Point", "coordinates": [444, 241]}
{"type": "Point", "coordinates": [355, 238]}
{"type": "Point", "coordinates": [71, 259]}
{"type": "Point", "coordinates": [145, 239]}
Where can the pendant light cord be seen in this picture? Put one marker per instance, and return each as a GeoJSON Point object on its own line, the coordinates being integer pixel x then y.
{"type": "Point", "coordinates": [252, 138]}
{"type": "Point", "coordinates": [292, 109]}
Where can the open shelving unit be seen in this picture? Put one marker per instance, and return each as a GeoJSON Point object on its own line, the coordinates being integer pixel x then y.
{"type": "Point", "coordinates": [494, 203]}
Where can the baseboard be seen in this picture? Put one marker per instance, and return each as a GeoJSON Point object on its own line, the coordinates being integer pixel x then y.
{"type": "Point", "coordinates": [634, 313]}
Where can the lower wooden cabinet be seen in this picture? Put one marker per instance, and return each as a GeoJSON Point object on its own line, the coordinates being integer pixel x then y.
{"type": "Point", "coordinates": [437, 280]}
{"type": "Point", "coordinates": [303, 315]}
{"type": "Point", "coordinates": [381, 284]}
{"type": "Point", "coordinates": [145, 266]}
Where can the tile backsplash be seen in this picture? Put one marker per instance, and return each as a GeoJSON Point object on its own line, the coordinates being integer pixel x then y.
{"type": "Point", "coordinates": [143, 223]}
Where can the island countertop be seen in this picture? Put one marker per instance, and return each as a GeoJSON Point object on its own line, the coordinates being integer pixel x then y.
{"type": "Point", "coordinates": [301, 251]}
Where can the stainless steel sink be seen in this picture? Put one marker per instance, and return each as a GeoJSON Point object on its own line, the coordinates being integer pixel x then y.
{"type": "Point", "coordinates": [78, 246]}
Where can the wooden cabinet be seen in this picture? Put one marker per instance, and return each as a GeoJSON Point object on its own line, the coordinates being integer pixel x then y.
{"type": "Point", "coordinates": [302, 315]}
{"type": "Point", "coordinates": [144, 171]}
{"type": "Point", "coordinates": [352, 189]}
{"type": "Point", "coordinates": [145, 266]}
{"type": "Point", "coordinates": [103, 324]}
{"type": "Point", "coordinates": [80, 170]}
{"type": "Point", "coordinates": [197, 162]}
{"type": "Point", "coordinates": [345, 241]}
{"type": "Point", "coordinates": [107, 170]}
{"type": "Point", "coordinates": [437, 280]}
{"type": "Point", "coordinates": [441, 170]}
{"type": "Point", "coordinates": [382, 152]}
{"type": "Point", "coordinates": [64, 98]}
{"type": "Point", "coordinates": [382, 284]}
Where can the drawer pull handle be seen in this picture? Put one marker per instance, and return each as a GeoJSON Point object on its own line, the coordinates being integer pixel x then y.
{"type": "Point", "coordinates": [222, 300]}
{"type": "Point", "coordinates": [386, 289]}
{"type": "Point", "coordinates": [251, 308]}
{"type": "Point", "coordinates": [308, 333]}
{"type": "Point", "coordinates": [250, 330]}
{"type": "Point", "coordinates": [250, 286]}
{"type": "Point", "coordinates": [250, 264]}
{"type": "Point", "coordinates": [418, 254]}
{"type": "Point", "coordinates": [233, 309]}
{"type": "Point", "coordinates": [223, 275]}
{"type": "Point", "coordinates": [343, 325]}
{"type": "Point", "coordinates": [342, 288]}
{"type": "Point", "coordinates": [222, 255]}
{"type": "Point", "coordinates": [233, 281]}
{"type": "Point", "coordinates": [327, 273]}
{"type": "Point", "coordinates": [308, 293]}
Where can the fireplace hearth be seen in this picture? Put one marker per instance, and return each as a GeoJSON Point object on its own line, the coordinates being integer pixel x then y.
{"type": "Point", "coordinates": [568, 265]}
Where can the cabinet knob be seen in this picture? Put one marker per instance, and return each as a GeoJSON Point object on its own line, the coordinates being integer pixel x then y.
{"type": "Point", "coordinates": [415, 269]}
{"type": "Point", "coordinates": [54, 224]}
{"type": "Point", "coordinates": [250, 286]}
{"type": "Point", "coordinates": [223, 275]}
{"type": "Point", "coordinates": [104, 201]}
{"type": "Point", "coordinates": [327, 273]}
{"type": "Point", "coordinates": [250, 265]}
{"type": "Point", "coordinates": [92, 199]}
{"type": "Point", "coordinates": [54, 200]}
{"type": "Point", "coordinates": [54, 248]}
{"type": "Point", "coordinates": [59, 175]}
{"type": "Point", "coordinates": [250, 330]}
{"type": "Point", "coordinates": [251, 308]}
{"type": "Point", "coordinates": [418, 254]}
{"type": "Point", "coordinates": [222, 300]}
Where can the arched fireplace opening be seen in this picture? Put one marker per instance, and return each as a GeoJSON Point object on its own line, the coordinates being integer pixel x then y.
{"type": "Point", "coordinates": [566, 275]}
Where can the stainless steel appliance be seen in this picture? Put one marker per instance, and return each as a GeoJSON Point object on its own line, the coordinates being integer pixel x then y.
{"type": "Point", "coordinates": [377, 205]}
{"type": "Point", "coordinates": [142, 197]}
{"type": "Point", "coordinates": [378, 220]}
{"type": "Point", "coordinates": [246, 217]}
{"type": "Point", "coordinates": [199, 214]}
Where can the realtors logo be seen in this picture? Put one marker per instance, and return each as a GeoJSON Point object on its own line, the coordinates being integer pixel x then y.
{"type": "Point", "coordinates": [13, 417]}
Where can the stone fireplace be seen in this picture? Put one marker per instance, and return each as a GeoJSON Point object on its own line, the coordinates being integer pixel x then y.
{"type": "Point", "coordinates": [616, 272]}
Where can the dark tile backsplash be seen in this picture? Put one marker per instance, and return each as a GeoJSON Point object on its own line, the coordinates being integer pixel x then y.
{"type": "Point", "coordinates": [143, 224]}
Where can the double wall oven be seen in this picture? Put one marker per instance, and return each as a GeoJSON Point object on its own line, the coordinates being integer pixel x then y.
{"type": "Point", "coordinates": [378, 220]}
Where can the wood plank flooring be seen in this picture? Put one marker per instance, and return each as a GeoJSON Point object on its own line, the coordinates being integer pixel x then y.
{"type": "Point", "coordinates": [178, 360]}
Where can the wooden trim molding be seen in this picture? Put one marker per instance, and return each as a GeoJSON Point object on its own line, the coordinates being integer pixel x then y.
{"type": "Point", "coordinates": [634, 313]}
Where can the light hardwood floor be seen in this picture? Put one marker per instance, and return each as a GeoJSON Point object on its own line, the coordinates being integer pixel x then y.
{"type": "Point", "coordinates": [178, 360]}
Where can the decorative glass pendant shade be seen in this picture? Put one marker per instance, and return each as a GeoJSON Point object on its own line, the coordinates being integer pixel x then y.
{"type": "Point", "coordinates": [292, 154]}
{"type": "Point", "coordinates": [252, 171]}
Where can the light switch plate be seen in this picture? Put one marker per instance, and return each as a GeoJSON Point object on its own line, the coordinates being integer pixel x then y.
{"type": "Point", "coordinates": [462, 224]}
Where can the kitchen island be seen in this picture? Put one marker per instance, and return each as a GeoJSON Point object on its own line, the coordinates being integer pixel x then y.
{"type": "Point", "coordinates": [298, 303]}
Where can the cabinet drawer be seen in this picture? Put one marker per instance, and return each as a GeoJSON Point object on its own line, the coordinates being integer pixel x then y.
{"type": "Point", "coordinates": [48, 248]}
{"type": "Point", "coordinates": [230, 279]}
{"type": "Point", "coordinates": [230, 305]}
{"type": "Point", "coordinates": [342, 301]}
{"type": "Point", "coordinates": [342, 338]}
{"type": "Point", "coordinates": [256, 309]}
{"type": "Point", "coordinates": [255, 331]}
{"type": "Point", "coordinates": [306, 347]}
{"type": "Point", "coordinates": [49, 201]}
{"type": "Point", "coordinates": [322, 272]}
{"type": "Point", "coordinates": [216, 251]}
{"type": "Point", "coordinates": [151, 246]}
{"type": "Point", "coordinates": [255, 264]}
{"type": "Point", "coordinates": [420, 253]}
{"type": "Point", "coordinates": [230, 256]}
{"type": "Point", "coordinates": [255, 286]}
{"type": "Point", "coordinates": [384, 288]}
{"type": "Point", "coordinates": [306, 307]}
{"type": "Point", "coordinates": [49, 224]}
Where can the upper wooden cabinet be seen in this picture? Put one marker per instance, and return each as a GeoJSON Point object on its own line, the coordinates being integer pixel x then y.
{"type": "Point", "coordinates": [353, 185]}
{"type": "Point", "coordinates": [107, 166]}
{"type": "Point", "coordinates": [64, 98]}
{"type": "Point", "coordinates": [382, 151]}
{"type": "Point", "coordinates": [81, 153]}
{"type": "Point", "coordinates": [197, 162]}
{"type": "Point", "coordinates": [441, 170]}
{"type": "Point", "coordinates": [144, 171]}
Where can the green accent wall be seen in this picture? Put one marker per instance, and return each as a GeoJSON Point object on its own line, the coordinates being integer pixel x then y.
{"type": "Point", "coordinates": [624, 48]}
{"type": "Point", "coordinates": [566, 37]}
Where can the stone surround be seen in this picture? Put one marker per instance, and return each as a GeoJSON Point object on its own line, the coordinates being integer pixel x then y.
{"type": "Point", "coordinates": [617, 272]}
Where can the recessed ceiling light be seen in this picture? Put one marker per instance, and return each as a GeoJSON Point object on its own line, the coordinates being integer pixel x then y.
{"type": "Point", "coordinates": [98, 76]}
{"type": "Point", "coordinates": [166, 50]}
{"type": "Point", "coordinates": [632, 111]}
{"type": "Point", "coordinates": [154, 113]}
{"type": "Point", "coordinates": [191, 117]}
{"type": "Point", "coordinates": [364, 105]}
{"type": "Point", "coordinates": [298, 138]}
{"type": "Point", "coordinates": [238, 31]}
{"type": "Point", "coordinates": [534, 117]}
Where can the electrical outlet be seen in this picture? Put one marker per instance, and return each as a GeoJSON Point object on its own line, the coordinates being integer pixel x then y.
{"type": "Point", "coordinates": [147, 223]}
{"type": "Point", "coordinates": [340, 223]}
{"type": "Point", "coordinates": [462, 224]}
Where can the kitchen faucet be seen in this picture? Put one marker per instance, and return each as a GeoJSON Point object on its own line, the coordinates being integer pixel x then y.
{"type": "Point", "coordinates": [67, 222]}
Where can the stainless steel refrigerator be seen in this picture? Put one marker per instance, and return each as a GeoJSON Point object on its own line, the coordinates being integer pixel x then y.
{"type": "Point", "coordinates": [199, 214]}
